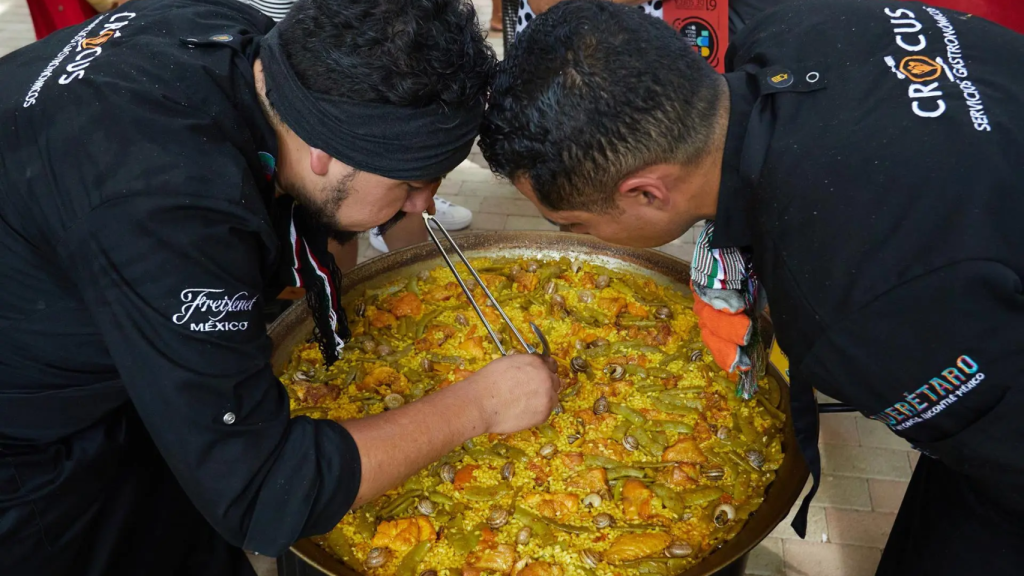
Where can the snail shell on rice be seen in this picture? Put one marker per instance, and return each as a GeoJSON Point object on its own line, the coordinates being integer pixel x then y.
{"type": "Point", "coordinates": [600, 406]}
{"type": "Point", "coordinates": [447, 473]}
{"type": "Point", "coordinates": [592, 501]}
{"type": "Point", "coordinates": [547, 450]}
{"type": "Point", "coordinates": [550, 287]}
{"type": "Point", "coordinates": [586, 296]}
{"type": "Point", "coordinates": [369, 346]}
{"type": "Point", "coordinates": [756, 458]}
{"type": "Point", "coordinates": [472, 285]}
{"type": "Point", "coordinates": [580, 344]}
{"type": "Point", "coordinates": [531, 266]}
{"type": "Point", "coordinates": [523, 536]}
{"type": "Point", "coordinates": [716, 473]}
{"type": "Point", "coordinates": [603, 520]}
{"type": "Point", "coordinates": [384, 350]}
{"type": "Point", "coordinates": [428, 573]}
{"type": "Point", "coordinates": [597, 343]}
{"type": "Point", "coordinates": [303, 376]}
{"type": "Point", "coordinates": [663, 312]}
{"type": "Point", "coordinates": [590, 558]}
{"type": "Point", "coordinates": [579, 364]}
{"type": "Point", "coordinates": [696, 356]}
{"type": "Point", "coordinates": [572, 438]}
{"type": "Point", "coordinates": [376, 558]}
{"type": "Point", "coordinates": [423, 275]}
{"type": "Point", "coordinates": [723, 432]}
{"type": "Point", "coordinates": [426, 507]}
{"type": "Point", "coordinates": [678, 550]}
{"type": "Point", "coordinates": [615, 372]}
{"type": "Point", "coordinates": [602, 282]}
{"type": "Point", "coordinates": [515, 270]}
{"type": "Point", "coordinates": [460, 319]}
{"type": "Point", "coordinates": [360, 309]}
{"type": "Point", "coordinates": [427, 365]}
{"type": "Point", "coordinates": [497, 518]}
{"type": "Point", "coordinates": [630, 443]}
{"type": "Point", "coordinates": [558, 409]}
{"type": "Point", "coordinates": [393, 401]}
{"type": "Point", "coordinates": [508, 471]}
{"type": "Point", "coordinates": [724, 514]}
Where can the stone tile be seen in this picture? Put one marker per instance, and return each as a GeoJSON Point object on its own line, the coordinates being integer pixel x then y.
{"type": "Point", "coordinates": [486, 221]}
{"type": "Point", "coordinates": [817, 525]}
{"type": "Point", "coordinates": [877, 435]}
{"type": "Point", "coordinates": [817, 559]}
{"type": "Point", "coordinates": [865, 462]}
{"type": "Point", "coordinates": [470, 172]}
{"type": "Point", "coordinates": [510, 206]}
{"type": "Point", "coordinates": [886, 495]}
{"type": "Point", "coordinates": [470, 202]}
{"type": "Point", "coordinates": [841, 492]}
{"type": "Point", "coordinates": [860, 528]}
{"type": "Point", "coordinates": [838, 429]}
{"type": "Point", "coordinates": [766, 559]}
{"type": "Point", "coordinates": [529, 223]}
{"type": "Point", "coordinates": [913, 456]}
{"type": "Point", "coordinates": [449, 187]}
{"type": "Point", "coordinates": [682, 250]}
{"type": "Point", "coordinates": [822, 398]}
{"type": "Point", "coordinates": [263, 565]}
{"type": "Point", "coordinates": [489, 188]}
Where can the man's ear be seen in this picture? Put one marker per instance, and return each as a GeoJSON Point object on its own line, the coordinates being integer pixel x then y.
{"type": "Point", "coordinates": [647, 187]}
{"type": "Point", "coordinates": [319, 161]}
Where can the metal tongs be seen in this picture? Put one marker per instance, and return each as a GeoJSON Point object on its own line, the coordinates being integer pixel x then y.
{"type": "Point", "coordinates": [545, 350]}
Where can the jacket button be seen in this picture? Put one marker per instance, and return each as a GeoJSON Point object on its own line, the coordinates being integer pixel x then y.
{"type": "Point", "coordinates": [229, 418]}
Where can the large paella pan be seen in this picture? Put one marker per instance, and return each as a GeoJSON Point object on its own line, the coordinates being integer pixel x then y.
{"type": "Point", "coordinates": [650, 465]}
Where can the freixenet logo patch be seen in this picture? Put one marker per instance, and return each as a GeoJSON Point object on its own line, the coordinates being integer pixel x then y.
{"type": "Point", "coordinates": [205, 309]}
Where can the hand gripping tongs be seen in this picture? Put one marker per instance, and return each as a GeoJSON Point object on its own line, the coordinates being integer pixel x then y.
{"type": "Point", "coordinates": [545, 349]}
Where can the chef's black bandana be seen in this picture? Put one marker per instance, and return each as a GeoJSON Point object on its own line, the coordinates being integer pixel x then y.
{"type": "Point", "coordinates": [309, 265]}
{"type": "Point", "coordinates": [396, 142]}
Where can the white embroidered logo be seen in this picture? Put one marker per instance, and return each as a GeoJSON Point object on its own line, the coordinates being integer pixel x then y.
{"type": "Point", "coordinates": [210, 302]}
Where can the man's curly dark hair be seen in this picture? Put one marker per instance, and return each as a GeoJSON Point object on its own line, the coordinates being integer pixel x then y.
{"type": "Point", "coordinates": [403, 52]}
{"type": "Point", "coordinates": [590, 93]}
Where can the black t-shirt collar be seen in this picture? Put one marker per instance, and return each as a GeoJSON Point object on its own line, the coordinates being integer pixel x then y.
{"type": "Point", "coordinates": [734, 221]}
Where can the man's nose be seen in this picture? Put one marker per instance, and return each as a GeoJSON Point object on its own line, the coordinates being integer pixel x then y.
{"type": "Point", "coordinates": [422, 199]}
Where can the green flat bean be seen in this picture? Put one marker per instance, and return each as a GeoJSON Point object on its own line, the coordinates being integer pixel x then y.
{"type": "Point", "coordinates": [548, 432]}
{"type": "Point", "coordinates": [526, 516]}
{"type": "Point", "coordinates": [669, 499]}
{"type": "Point", "coordinates": [595, 461]}
{"type": "Point", "coordinates": [338, 544]}
{"type": "Point", "coordinates": [701, 496]}
{"type": "Point", "coordinates": [413, 286]}
{"type": "Point", "coordinates": [673, 409]}
{"type": "Point", "coordinates": [483, 454]}
{"type": "Point", "coordinates": [486, 493]}
{"type": "Point", "coordinates": [410, 564]}
{"type": "Point", "coordinates": [634, 370]}
{"type": "Point", "coordinates": [639, 323]}
{"type": "Point", "coordinates": [626, 412]}
{"type": "Point", "coordinates": [463, 540]}
{"type": "Point", "coordinates": [671, 358]}
{"type": "Point", "coordinates": [638, 528]}
{"type": "Point", "coordinates": [624, 472]}
{"type": "Point", "coordinates": [421, 326]}
{"type": "Point", "coordinates": [777, 417]}
{"type": "Point", "coordinates": [621, 286]}
{"type": "Point", "coordinates": [620, 431]}
{"type": "Point", "coordinates": [659, 372]}
{"type": "Point", "coordinates": [617, 491]}
{"type": "Point", "coordinates": [439, 498]}
{"type": "Point", "coordinates": [671, 426]}
{"type": "Point", "coordinates": [647, 441]}
{"type": "Point", "coordinates": [399, 504]}
{"type": "Point", "coordinates": [596, 351]}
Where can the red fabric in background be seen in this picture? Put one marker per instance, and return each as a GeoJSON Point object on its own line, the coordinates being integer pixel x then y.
{"type": "Point", "coordinates": [1008, 13]}
{"type": "Point", "coordinates": [51, 15]}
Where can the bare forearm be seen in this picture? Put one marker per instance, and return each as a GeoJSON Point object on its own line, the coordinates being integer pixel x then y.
{"type": "Point", "coordinates": [395, 445]}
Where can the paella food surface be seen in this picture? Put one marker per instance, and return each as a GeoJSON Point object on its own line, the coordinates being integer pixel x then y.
{"type": "Point", "coordinates": [649, 462]}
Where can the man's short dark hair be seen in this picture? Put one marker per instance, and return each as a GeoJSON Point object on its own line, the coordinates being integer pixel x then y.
{"type": "Point", "coordinates": [590, 93]}
{"type": "Point", "coordinates": [404, 52]}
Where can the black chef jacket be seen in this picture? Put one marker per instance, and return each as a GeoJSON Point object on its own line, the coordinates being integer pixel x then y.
{"type": "Point", "coordinates": [873, 166]}
{"type": "Point", "coordinates": [137, 404]}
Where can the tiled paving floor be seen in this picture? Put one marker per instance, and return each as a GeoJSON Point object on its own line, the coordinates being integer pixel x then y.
{"type": "Point", "coordinates": [866, 467]}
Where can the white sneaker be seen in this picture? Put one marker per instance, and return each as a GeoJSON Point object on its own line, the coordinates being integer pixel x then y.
{"type": "Point", "coordinates": [452, 216]}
